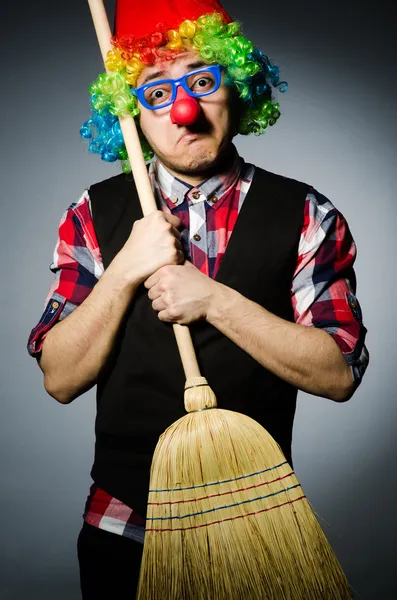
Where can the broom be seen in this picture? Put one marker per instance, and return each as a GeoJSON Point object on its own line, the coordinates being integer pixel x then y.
{"type": "Point", "coordinates": [227, 518]}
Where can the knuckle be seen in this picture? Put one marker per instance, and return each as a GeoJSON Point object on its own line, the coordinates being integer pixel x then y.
{"type": "Point", "coordinates": [154, 217]}
{"type": "Point", "coordinates": [173, 312]}
{"type": "Point", "coordinates": [136, 223]}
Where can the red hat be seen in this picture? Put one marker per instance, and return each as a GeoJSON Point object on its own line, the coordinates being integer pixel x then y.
{"type": "Point", "coordinates": [137, 25]}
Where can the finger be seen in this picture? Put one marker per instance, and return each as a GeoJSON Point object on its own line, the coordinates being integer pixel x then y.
{"type": "Point", "coordinates": [154, 292]}
{"type": "Point", "coordinates": [176, 233]}
{"type": "Point", "coordinates": [159, 304]}
{"type": "Point", "coordinates": [163, 316]}
{"type": "Point", "coordinates": [173, 219]}
{"type": "Point", "coordinates": [178, 245]}
{"type": "Point", "coordinates": [152, 280]}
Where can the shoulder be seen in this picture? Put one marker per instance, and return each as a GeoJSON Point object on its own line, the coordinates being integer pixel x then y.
{"type": "Point", "coordinates": [321, 213]}
{"type": "Point", "coordinates": [77, 213]}
{"type": "Point", "coordinates": [324, 224]}
{"type": "Point", "coordinates": [319, 205]}
{"type": "Point", "coordinates": [316, 205]}
{"type": "Point", "coordinates": [282, 183]}
{"type": "Point", "coordinates": [112, 183]}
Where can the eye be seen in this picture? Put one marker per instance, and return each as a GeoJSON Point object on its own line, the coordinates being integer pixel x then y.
{"type": "Point", "coordinates": [157, 95]}
{"type": "Point", "coordinates": [203, 83]}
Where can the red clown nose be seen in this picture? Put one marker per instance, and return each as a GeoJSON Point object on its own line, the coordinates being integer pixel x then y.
{"type": "Point", "coordinates": [185, 111]}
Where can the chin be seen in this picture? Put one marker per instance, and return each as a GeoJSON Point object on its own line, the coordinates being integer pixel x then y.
{"type": "Point", "coordinates": [196, 159]}
{"type": "Point", "coordinates": [199, 163]}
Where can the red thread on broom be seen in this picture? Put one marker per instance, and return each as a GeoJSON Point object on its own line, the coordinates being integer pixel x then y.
{"type": "Point", "coordinates": [229, 519]}
{"type": "Point", "coordinates": [222, 493]}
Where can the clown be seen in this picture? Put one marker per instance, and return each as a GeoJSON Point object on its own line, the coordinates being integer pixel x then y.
{"type": "Point", "coordinates": [258, 265]}
{"type": "Point", "coordinates": [213, 38]}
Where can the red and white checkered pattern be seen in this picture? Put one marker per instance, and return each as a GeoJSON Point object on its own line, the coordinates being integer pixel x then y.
{"type": "Point", "coordinates": [322, 288]}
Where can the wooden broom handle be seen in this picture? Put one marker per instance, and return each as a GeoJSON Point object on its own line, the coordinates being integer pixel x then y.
{"type": "Point", "coordinates": [142, 182]}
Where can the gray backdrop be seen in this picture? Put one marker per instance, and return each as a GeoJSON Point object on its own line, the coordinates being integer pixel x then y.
{"type": "Point", "coordinates": [338, 133]}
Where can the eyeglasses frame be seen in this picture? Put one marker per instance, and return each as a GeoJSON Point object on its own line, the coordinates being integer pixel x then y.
{"type": "Point", "coordinates": [139, 92]}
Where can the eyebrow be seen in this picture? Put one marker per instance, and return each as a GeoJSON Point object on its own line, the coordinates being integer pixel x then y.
{"type": "Point", "coordinates": [194, 65]}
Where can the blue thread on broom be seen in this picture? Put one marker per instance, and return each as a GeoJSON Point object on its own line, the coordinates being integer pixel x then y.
{"type": "Point", "coordinates": [256, 485]}
{"type": "Point", "coordinates": [192, 487]}
{"type": "Point", "coordinates": [257, 512]}
{"type": "Point", "coordinates": [222, 507]}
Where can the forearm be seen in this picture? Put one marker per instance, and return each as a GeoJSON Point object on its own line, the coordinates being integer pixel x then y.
{"type": "Point", "coordinates": [76, 348]}
{"type": "Point", "coordinates": [306, 357]}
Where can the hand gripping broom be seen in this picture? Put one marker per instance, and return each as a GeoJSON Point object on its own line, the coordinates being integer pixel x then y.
{"type": "Point", "coordinates": [227, 518]}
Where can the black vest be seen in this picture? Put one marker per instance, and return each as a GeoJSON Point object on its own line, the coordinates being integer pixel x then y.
{"type": "Point", "coordinates": [140, 390]}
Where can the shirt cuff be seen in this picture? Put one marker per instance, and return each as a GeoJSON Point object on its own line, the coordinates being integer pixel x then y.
{"type": "Point", "coordinates": [48, 319]}
{"type": "Point", "coordinates": [358, 357]}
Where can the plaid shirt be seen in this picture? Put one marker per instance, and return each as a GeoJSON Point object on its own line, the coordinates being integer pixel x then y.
{"type": "Point", "coordinates": [322, 296]}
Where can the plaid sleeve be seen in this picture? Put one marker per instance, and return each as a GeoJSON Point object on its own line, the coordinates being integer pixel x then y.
{"type": "Point", "coordinates": [324, 282]}
{"type": "Point", "coordinates": [77, 266]}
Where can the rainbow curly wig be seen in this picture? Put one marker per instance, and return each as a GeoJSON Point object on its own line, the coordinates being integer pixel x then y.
{"type": "Point", "coordinates": [246, 68]}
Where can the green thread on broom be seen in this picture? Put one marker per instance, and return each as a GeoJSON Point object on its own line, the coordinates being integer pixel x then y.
{"type": "Point", "coordinates": [256, 485]}
{"type": "Point", "coordinates": [203, 512]}
{"type": "Point", "coordinates": [257, 512]}
{"type": "Point", "coordinates": [192, 487]}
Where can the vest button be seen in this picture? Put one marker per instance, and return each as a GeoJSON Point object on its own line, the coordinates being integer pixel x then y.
{"type": "Point", "coordinates": [196, 195]}
{"type": "Point", "coordinates": [214, 199]}
{"type": "Point", "coordinates": [197, 237]}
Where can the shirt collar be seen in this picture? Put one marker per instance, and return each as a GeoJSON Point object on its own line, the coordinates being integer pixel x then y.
{"type": "Point", "coordinates": [174, 191]}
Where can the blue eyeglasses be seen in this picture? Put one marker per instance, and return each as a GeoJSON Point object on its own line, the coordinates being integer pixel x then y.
{"type": "Point", "coordinates": [198, 83]}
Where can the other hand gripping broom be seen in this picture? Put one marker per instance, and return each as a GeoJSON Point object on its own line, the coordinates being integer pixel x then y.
{"type": "Point", "coordinates": [227, 518]}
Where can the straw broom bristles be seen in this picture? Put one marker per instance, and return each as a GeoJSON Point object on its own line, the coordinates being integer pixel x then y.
{"type": "Point", "coordinates": [229, 520]}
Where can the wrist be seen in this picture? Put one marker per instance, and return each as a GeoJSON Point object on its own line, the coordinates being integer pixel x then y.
{"type": "Point", "coordinates": [123, 278]}
{"type": "Point", "coordinates": [222, 301]}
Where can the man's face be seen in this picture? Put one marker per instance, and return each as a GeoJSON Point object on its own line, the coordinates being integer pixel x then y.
{"type": "Point", "coordinates": [188, 150]}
